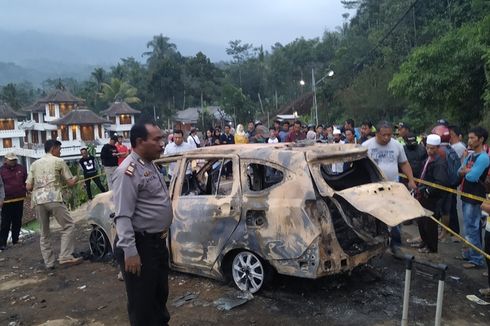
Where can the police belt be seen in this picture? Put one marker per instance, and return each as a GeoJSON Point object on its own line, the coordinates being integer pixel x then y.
{"type": "Point", "coordinates": [152, 236]}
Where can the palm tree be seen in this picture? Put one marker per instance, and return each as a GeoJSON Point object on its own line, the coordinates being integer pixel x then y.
{"type": "Point", "coordinates": [118, 91]}
{"type": "Point", "coordinates": [99, 75]}
{"type": "Point", "coordinates": [161, 49]}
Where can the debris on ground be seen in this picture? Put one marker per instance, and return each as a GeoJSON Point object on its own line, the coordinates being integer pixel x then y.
{"type": "Point", "coordinates": [232, 301]}
{"type": "Point", "coordinates": [423, 302]}
{"type": "Point", "coordinates": [475, 299]}
{"type": "Point", "coordinates": [188, 297]}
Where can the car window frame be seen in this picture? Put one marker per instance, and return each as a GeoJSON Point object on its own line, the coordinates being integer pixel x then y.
{"type": "Point", "coordinates": [244, 162]}
{"type": "Point", "coordinates": [169, 159]}
{"type": "Point", "coordinates": [236, 187]}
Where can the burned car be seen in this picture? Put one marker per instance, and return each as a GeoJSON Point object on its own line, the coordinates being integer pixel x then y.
{"type": "Point", "coordinates": [243, 211]}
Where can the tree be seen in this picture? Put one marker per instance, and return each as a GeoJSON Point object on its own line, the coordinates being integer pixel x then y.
{"type": "Point", "coordinates": [446, 78]}
{"type": "Point", "coordinates": [161, 49]}
{"type": "Point", "coordinates": [239, 52]}
{"type": "Point", "coordinates": [118, 91]}
{"type": "Point", "coordinates": [99, 77]}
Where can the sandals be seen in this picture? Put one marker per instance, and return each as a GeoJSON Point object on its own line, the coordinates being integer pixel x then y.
{"type": "Point", "coordinates": [470, 266]}
{"type": "Point", "coordinates": [414, 240]}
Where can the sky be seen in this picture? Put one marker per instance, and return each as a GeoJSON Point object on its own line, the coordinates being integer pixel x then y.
{"type": "Point", "coordinates": [196, 25]}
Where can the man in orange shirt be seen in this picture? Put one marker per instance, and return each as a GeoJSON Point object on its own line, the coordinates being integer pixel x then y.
{"type": "Point", "coordinates": [122, 150]}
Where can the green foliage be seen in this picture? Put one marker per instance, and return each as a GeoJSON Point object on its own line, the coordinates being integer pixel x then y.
{"type": "Point", "coordinates": [414, 61]}
{"type": "Point", "coordinates": [446, 77]}
{"type": "Point", "coordinates": [118, 91]}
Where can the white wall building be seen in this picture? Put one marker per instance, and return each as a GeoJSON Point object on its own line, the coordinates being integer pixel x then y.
{"type": "Point", "coordinates": [11, 137]}
{"type": "Point", "coordinates": [121, 117]}
{"type": "Point", "coordinates": [60, 116]}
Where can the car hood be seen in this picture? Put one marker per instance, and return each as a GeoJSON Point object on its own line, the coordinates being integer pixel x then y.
{"type": "Point", "coordinates": [389, 202]}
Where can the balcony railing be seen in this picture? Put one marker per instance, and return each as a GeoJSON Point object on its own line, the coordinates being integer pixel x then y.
{"type": "Point", "coordinates": [68, 148]}
{"type": "Point", "coordinates": [116, 127]}
{"type": "Point", "coordinates": [12, 133]}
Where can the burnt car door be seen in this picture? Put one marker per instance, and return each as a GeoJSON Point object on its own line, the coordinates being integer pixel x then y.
{"type": "Point", "coordinates": [353, 183]}
{"type": "Point", "coordinates": [206, 207]}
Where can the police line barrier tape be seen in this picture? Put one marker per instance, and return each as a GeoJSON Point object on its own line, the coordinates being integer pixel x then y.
{"type": "Point", "coordinates": [64, 187]}
{"type": "Point", "coordinates": [454, 191]}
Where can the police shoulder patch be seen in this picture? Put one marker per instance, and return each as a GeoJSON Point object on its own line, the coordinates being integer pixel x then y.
{"type": "Point", "coordinates": [130, 169]}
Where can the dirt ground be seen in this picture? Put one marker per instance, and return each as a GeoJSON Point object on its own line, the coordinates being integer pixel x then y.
{"type": "Point", "coordinates": [90, 294]}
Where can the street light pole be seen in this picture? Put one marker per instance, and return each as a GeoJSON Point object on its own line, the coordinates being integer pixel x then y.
{"type": "Point", "coordinates": [315, 104]}
{"type": "Point", "coordinates": [313, 86]}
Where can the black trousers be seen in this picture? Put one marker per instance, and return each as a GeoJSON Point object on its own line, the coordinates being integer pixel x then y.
{"type": "Point", "coordinates": [428, 232]}
{"type": "Point", "coordinates": [453, 214]}
{"type": "Point", "coordinates": [11, 221]}
{"type": "Point", "coordinates": [97, 182]}
{"type": "Point", "coordinates": [147, 293]}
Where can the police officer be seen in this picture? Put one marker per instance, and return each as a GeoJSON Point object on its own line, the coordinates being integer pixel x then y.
{"type": "Point", "coordinates": [143, 215]}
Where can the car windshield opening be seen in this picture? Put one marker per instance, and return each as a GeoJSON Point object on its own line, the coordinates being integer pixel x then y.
{"type": "Point", "coordinates": [344, 175]}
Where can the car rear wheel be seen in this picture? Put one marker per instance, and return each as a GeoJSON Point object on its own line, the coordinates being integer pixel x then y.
{"type": "Point", "coordinates": [248, 271]}
{"type": "Point", "coordinates": [99, 243]}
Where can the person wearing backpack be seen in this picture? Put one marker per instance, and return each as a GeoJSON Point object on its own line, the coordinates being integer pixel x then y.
{"type": "Point", "coordinates": [447, 152]}
{"type": "Point", "coordinates": [474, 171]}
{"type": "Point", "coordinates": [460, 149]}
{"type": "Point", "coordinates": [193, 139]}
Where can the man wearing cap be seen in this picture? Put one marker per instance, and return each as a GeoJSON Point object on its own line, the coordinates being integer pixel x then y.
{"type": "Point", "coordinates": [403, 131]}
{"type": "Point", "coordinates": [108, 156]}
{"type": "Point", "coordinates": [416, 154]}
{"type": "Point", "coordinates": [435, 170]}
{"type": "Point", "coordinates": [337, 136]}
{"type": "Point", "coordinates": [14, 178]}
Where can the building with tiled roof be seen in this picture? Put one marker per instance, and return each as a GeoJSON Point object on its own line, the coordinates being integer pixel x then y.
{"type": "Point", "coordinates": [10, 134]}
{"type": "Point", "coordinates": [121, 117]}
{"type": "Point", "coordinates": [62, 116]}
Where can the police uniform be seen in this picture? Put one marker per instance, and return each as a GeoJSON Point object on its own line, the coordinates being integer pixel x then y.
{"type": "Point", "coordinates": [143, 214]}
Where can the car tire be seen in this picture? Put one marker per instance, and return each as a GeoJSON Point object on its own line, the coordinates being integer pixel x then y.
{"type": "Point", "coordinates": [249, 272]}
{"type": "Point", "coordinates": [99, 243]}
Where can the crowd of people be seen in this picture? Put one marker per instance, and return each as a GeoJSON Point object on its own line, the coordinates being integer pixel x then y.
{"type": "Point", "coordinates": [437, 157]}
{"type": "Point", "coordinates": [423, 163]}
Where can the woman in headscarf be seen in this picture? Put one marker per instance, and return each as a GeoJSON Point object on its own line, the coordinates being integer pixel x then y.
{"type": "Point", "coordinates": [240, 136]}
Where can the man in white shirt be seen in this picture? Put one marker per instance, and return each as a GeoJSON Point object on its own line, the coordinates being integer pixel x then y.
{"type": "Point", "coordinates": [178, 146]}
{"type": "Point", "coordinates": [193, 139]}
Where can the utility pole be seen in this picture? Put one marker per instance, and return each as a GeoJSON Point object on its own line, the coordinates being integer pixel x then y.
{"type": "Point", "coordinates": [315, 104]}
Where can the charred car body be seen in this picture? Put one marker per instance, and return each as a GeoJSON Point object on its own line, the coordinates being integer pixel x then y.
{"type": "Point", "coordinates": [301, 210]}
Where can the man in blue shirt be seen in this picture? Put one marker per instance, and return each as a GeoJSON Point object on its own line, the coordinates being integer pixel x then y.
{"type": "Point", "coordinates": [474, 171]}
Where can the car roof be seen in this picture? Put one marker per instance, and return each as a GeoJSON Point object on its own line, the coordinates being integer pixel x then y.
{"type": "Point", "coordinates": [312, 151]}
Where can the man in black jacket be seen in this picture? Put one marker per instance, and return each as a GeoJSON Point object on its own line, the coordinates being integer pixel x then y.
{"type": "Point", "coordinates": [109, 155]}
{"type": "Point", "coordinates": [434, 170]}
{"type": "Point", "coordinates": [90, 172]}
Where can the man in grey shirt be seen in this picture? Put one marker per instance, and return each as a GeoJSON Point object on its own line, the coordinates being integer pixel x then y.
{"type": "Point", "coordinates": [389, 155]}
{"type": "Point", "coordinates": [456, 143]}
{"type": "Point", "coordinates": [143, 214]}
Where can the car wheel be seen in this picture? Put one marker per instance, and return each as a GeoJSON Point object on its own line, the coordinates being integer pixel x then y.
{"type": "Point", "coordinates": [99, 243]}
{"type": "Point", "coordinates": [248, 271]}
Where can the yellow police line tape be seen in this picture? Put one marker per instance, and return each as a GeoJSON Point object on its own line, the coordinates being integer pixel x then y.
{"type": "Point", "coordinates": [64, 187]}
{"type": "Point", "coordinates": [454, 191]}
